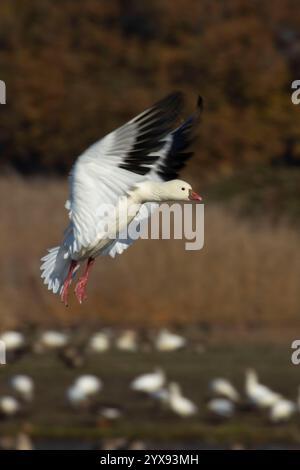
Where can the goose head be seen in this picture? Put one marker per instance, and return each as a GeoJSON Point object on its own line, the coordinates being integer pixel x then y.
{"type": "Point", "coordinates": [178, 190]}
{"type": "Point", "coordinates": [175, 190]}
{"type": "Point", "coordinates": [251, 377]}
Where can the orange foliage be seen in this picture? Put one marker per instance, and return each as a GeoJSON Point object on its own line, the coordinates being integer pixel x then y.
{"type": "Point", "coordinates": [74, 70]}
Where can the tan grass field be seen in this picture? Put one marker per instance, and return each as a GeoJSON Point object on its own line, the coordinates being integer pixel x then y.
{"type": "Point", "coordinates": [246, 277]}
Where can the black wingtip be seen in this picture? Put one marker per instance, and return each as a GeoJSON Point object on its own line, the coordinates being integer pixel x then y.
{"type": "Point", "coordinates": [176, 99]}
{"type": "Point", "coordinates": [152, 126]}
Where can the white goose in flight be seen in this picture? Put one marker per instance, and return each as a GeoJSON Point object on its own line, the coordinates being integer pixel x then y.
{"type": "Point", "coordinates": [136, 164]}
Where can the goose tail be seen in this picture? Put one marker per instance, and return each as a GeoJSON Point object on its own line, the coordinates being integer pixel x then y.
{"type": "Point", "coordinates": [55, 268]}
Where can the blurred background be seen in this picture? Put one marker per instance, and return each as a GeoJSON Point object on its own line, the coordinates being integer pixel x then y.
{"type": "Point", "coordinates": [76, 70]}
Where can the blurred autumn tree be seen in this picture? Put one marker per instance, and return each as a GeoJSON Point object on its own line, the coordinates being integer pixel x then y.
{"type": "Point", "coordinates": [74, 70]}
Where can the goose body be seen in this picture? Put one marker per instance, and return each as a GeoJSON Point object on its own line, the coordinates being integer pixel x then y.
{"type": "Point", "coordinates": [13, 340]}
{"type": "Point", "coordinates": [23, 385]}
{"type": "Point", "coordinates": [110, 413]}
{"type": "Point", "coordinates": [133, 168]}
{"type": "Point", "coordinates": [179, 404]}
{"type": "Point", "coordinates": [167, 341]}
{"type": "Point", "coordinates": [99, 342]}
{"type": "Point", "coordinates": [221, 407]}
{"type": "Point", "coordinates": [83, 389]}
{"type": "Point", "coordinates": [282, 411]}
{"type": "Point", "coordinates": [52, 340]}
{"type": "Point", "coordinates": [149, 383]}
{"type": "Point", "coordinates": [9, 406]}
{"type": "Point", "coordinates": [259, 395]}
{"type": "Point", "coordinates": [88, 384]}
{"type": "Point", "coordinates": [223, 388]}
{"type": "Point", "coordinates": [127, 341]}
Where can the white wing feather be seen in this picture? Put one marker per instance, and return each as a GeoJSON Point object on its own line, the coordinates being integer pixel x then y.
{"type": "Point", "coordinates": [122, 243]}
{"type": "Point", "coordinates": [174, 142]}
{"type": "Point", "coordinates": [137, 226]}
{"type": "Point", "coordinates": [112, 166]}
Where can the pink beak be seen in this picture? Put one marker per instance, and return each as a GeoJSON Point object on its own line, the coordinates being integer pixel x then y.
{"type": "Point", "coordinates": [194, 196]}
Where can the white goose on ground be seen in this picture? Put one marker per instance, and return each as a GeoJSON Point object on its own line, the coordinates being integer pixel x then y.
{"type": "Point", "coordinates": [149, 383]}
{"type": "Point", "coordinates": [51, 340]}
{"type": "Point", "coordinates": [282, 411]}
{"type": "Point", "coordinates": [88, 384]}
{"type": "Point", "coordinates": [110, 413]}
{"type": "Point", "coordinates": [259, 395]}
{"type": "Point", "coordinates": [221, 407]}
{"type": "Point", "coordinates": [14, 340]}
{"type": "Point", "coordinates": [127, 341]}
{"type": "Point", "coordinates": [179, 404]}
{"type": "Point", "coordinates": [83, 389]}
{"type": "Point", "coordinates": [99, 342]}
{"type": "Point", "coordinates": [223, 388]}
{"type": "Point", "coordinates": [9, 406]}
{"type": "Point", "coordinates": [110, 185]}
{"type": "Point", "coordinates": [23, 385]}
{"type": "Point", "coordinates": [168, 341]}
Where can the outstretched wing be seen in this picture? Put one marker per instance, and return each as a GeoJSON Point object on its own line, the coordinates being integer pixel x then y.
{"type": "Point", "coordinates": [171, 158]}
{"type": "Point", "coordinates": [112, 166]}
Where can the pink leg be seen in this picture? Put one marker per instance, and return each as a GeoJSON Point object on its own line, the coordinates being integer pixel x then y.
{"type": "Point", "coordinates": [67, 283]}
{"type": "Point", "coordinates": [82, 283]}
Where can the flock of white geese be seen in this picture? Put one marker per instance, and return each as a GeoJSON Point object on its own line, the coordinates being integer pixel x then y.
{"type": "Point", "coordinates": [224, 399]}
